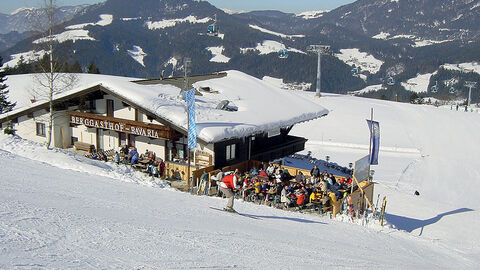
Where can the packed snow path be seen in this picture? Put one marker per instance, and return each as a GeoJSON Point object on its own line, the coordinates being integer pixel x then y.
{"type": "Point", "coordinates": [65, 218]}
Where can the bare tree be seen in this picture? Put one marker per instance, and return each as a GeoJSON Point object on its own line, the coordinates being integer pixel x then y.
{"type": "Point", "coordinates": [50, 81]}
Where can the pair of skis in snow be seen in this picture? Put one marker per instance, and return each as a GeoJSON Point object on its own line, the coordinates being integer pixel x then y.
{"type": "Point", "coordinates": [235, 212]}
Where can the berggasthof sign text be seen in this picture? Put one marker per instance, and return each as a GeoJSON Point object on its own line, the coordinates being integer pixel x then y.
{"type": "Point", "coordinates": [115, 126]}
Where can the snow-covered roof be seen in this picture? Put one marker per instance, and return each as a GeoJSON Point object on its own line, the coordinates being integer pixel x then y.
{"type": "Point", "coordinates": [261, 106]}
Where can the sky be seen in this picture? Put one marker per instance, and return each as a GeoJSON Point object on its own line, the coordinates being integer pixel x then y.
{"type": "Point", "coordinates": [297, 6]}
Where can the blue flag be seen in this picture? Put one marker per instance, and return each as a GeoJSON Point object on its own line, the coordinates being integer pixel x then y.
{"type": "Point", "coordinates": [375, 139]}
{"type": "Point", "coordinates": [189, 96]}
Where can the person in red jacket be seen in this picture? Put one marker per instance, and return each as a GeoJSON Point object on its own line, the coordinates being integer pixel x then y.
{"type": "Point", "coordinates": [300, 194]}
{"type": "Point", "coordinates": [228, 184]}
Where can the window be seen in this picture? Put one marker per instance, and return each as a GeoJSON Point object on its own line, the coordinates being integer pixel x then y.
{"type": "Point", "coordinates": [41, 129]}
{"type": "Point", "coordinates": [131, 140]}
{"type": "Point", "coordinates": [122, 139]}
{"type": "Point", "coordinates": [230, 153]}
{"type": "Point", "coordinates": [110, 107]}
{"type": "Point", "coordinates": [92, 105]}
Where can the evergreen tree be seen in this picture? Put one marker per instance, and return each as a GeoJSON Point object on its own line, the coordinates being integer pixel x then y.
{"type": "Point", "coordinates": [92, 68]}
{"type": "Point", "coordinates": [76, 68]}
{"type": "Point", "coordinates": [5, 105]}
{"type": "Point", "coordinates": [413, 98]}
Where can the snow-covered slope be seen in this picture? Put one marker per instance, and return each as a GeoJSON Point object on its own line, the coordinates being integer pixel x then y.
{"type": "Point", "coordinates": [63, 211]}
{"type": "Point", "coordinates": [56, 217]}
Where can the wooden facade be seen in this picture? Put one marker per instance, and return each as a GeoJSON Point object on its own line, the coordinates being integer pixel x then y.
{"type": "Point", "coordinates": [259, 147]}
{"type": "Point", "coordinates": [123, 125]}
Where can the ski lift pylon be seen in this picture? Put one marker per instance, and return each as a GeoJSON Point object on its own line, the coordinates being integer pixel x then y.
{"type": "Point", "coordinates": [434, 88]}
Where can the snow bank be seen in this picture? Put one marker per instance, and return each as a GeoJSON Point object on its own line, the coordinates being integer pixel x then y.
{"type": "Point", "coordinates": [68, 160]}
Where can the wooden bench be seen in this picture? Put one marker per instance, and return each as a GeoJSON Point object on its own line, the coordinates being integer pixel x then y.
{"type": "Point", "coordinates": [84, 146]}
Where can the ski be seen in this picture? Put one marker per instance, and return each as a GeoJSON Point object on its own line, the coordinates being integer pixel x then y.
{"type": "Point", "coordinates": [382, 213]}
{"type": "Point", "coordinates": [376, 206]}
{"type": "Point", "coordinates": [235, 212]}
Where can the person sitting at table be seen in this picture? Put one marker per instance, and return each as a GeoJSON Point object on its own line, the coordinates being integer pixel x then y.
{"type": "Point", "coordinates": [270, 169]}
{"type": "Point", "coordinates": [263, 173]}
{"type": "Point", "coordinates": [253, 171]}
{"type": "Point", "coordinates": [315, 171]}
{"type": "Point", "coordinates": [323, 185]}
{"type": "Point", "coordinates": [124, 150]}
{"type": "Point", "coordinates": [145, 155]}
{"type": "Point", "coordinates": [116, 158]}
{"type": "Point", "coordinates": [131, 153]}
{"type": "Point", "coordinates": [315, 196]}
{"type": "Point", "coordinates": [261, 167]}
{"type": "Point", "coordinates": [344, 183]}
{"type": "Point", "coordinates": [300, 194]}
{"type": "Point", "coordinates": [313, 180]}
{"type": "Point", "coordinates": [331, 176]}
{"type": "Point", "coordinates": [300, 177]}
{"type": "Point", "coordinates": [133, 156]}
{"type": "Point", "coordinates": [329, 182]}
{"type": "Point", "coordinates": [285, 175]}
{"type": "Point", "coordinates": [155, 170]}
{"type": "Point", "coordinates": [285, 196]}
{"type": "Point", "coordinates": [258, 187]}
{"type": "Point", "coordinates": [161, 167]}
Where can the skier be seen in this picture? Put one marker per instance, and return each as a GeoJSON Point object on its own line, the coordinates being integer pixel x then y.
{"type": "Point", "coordinates": [228, 184]}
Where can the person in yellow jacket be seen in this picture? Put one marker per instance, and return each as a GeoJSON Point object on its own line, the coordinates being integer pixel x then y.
{"type": "Point", "coordinates": [315, 196]}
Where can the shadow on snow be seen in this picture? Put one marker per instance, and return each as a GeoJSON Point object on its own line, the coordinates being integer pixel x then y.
{"type": "Point", "coordinates": [289, 218]}
{"type": "Point", "coordinates": [411, 224]}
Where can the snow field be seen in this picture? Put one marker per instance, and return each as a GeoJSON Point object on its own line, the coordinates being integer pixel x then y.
{"type": "Point", "coordinates": [217, 55]}
{"type": "Point", "coordinates": [365, 61]}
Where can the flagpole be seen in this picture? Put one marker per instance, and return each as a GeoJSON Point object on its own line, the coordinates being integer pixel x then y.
{"type": "Point", "coordinates": [188, 151]}
{"type": "Point", "coordinates": [370, 147]}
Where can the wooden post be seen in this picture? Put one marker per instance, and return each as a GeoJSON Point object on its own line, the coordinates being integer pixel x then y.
{"type": "Point", "coordinates": [188, 149]}
{"type": "Point", "coordinates": [363, 194]}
